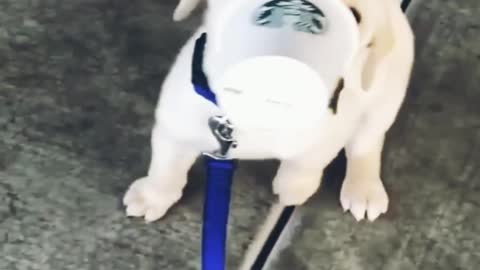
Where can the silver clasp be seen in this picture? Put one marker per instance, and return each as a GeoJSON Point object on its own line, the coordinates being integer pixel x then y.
{"type": "Point", "coordinates": [222, 130]}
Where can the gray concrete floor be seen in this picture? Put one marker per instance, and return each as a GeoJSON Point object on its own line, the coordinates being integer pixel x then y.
{"type": "Point", "coordinates": [78, 85]}
{"type": "Point", "coordinates": [431, 165]}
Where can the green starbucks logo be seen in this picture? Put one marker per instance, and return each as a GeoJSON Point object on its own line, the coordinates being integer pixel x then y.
{"type": "Point", "coordinates": [304, 16]}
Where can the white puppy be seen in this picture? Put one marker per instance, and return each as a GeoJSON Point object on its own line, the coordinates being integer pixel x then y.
{"type": "Point", "coordinates": [365, 105]}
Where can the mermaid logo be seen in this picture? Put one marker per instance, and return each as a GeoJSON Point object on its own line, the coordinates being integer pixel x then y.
{"type": "Point", "coordinates": [305, 16]}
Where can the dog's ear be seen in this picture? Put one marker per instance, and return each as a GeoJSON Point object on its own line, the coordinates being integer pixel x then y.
{"type": "Point", "coordinates": [184, 9]}
{"type": "Point", "coordinates": [379, 38]}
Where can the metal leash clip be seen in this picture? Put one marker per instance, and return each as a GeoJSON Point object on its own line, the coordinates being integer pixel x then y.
{"type": "Point", "coordinates": [222, 130]}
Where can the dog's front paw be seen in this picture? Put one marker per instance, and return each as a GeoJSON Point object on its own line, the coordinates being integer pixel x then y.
{"type": "Point", "coordinates": [364, 197]}
{"type": "Point", "coordinates": [146, 198]}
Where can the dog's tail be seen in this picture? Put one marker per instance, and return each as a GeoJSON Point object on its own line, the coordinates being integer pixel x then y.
{"type": "Point", "coordinates": [184, 9]}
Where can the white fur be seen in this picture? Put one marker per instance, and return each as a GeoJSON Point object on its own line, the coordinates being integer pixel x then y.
{"type": "Point", "coordinates": [184, 9]}
{"type": "Point", "coordinates": [374, 90]}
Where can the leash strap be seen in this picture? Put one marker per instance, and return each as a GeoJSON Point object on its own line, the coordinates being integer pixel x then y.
{"type": "Point", "coordinates": [216, 211]}
{"type": "Point", "coordinates": [220, 171]}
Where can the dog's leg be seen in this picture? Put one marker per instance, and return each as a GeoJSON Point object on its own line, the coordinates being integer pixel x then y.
{"type": "Point", "coordinates": [154, 194]}
{"type": "Point", "coordinates": [363, 191]}
{"type": "Point", "coordinates": [296, 181]}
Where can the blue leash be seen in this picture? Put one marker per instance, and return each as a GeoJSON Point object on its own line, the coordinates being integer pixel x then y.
{"type": "Point", "coordinates": [215, 216]}
{"type": "Point", "coordinates": [220, 171]}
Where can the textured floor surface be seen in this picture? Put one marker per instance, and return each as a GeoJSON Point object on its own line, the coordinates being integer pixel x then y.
{"type": "Point", "coordinates": [431, 165]}
{"type": "Point", "coordinates": [78, 84]}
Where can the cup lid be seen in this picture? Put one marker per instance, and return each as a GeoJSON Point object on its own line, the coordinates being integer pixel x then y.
{"type": "Point", "coordinates": [273, 94]}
